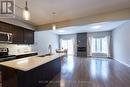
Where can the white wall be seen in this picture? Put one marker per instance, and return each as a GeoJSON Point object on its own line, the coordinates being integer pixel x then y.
{"type": "Point", "coordinates": [121, 43]}
{"type": "Point", "coordinates": [43, 39]}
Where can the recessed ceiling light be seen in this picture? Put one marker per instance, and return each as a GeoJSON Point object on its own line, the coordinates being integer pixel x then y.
{"type": "Point", "coordinates": [96, 27]}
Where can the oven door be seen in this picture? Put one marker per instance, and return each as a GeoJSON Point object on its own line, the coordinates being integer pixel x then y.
{"type": "Point", "coordinates": [5, 37]}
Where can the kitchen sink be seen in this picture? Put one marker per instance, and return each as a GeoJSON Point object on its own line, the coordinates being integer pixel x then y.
{"type": "Point", "coordinates": [45, 55]}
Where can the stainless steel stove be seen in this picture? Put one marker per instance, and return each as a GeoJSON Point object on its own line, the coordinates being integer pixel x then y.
{"type": "Point", "coordinates": [4, 51]}
{"type": "Point", "coordinates": [4, 56]}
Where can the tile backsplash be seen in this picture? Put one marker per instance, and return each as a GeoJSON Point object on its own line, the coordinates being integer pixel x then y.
{"type": "Point", "coordinates": [15, 49]}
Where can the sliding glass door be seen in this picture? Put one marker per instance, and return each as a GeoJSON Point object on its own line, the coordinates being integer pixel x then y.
{"type": "Point", "coordinates": [68, 45]}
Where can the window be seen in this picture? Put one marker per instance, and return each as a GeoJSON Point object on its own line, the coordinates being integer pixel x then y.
{"type": "Point", "coordinates": [100, 45]}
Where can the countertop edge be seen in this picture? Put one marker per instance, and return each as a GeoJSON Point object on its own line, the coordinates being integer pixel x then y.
{"type": "Point", "coordinates": [8, 63]}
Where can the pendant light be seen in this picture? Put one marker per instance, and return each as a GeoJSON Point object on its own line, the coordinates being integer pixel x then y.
{"type": "Point", "coordinates": [26, 13]}
{"type": "Point", "coordinates": [53, 25]}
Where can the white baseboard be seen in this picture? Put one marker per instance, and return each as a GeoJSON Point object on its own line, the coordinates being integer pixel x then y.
{"type": "Point", "coordinates": [123, 63]}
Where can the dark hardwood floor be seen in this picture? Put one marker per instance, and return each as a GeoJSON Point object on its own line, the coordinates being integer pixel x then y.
{"type": "Point", "coordinates": [91, 72]}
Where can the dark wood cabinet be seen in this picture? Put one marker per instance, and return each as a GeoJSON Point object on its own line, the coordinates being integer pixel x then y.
{"type": "Point", "coordinates": [28, 36]}
{"type": "Point", "coordinates": [4, 27]}
{"type": "Point", "coordinates": [17, 35]}
{"type": "Point", "coordinates": [37, 77]}
{"type": "Point", "coordinates": [20, 35]}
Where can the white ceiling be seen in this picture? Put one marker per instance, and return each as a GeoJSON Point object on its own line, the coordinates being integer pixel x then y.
{"type": "Point", "coordinates": [41, 10]}
{"type": "Point", "coordinates": [104, 26]}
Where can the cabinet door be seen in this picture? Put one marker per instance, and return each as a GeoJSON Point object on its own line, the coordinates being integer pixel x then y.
{"type": "Point", "coordinates": [28, 36]}
{"type": "Point", "coordinates": [4, 27]}
{"type": "Point", "coordinates": [18, 35]}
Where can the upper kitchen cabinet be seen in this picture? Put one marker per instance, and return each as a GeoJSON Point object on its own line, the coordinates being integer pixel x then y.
{"type": "Point", "coordinates": [23, 36]}
{"type": "Point", "coordinates": [28, 36]}
{"type": "Point", "coordinates": [4, 27]}
{"type": "Point", "coordinates": [18, 35]}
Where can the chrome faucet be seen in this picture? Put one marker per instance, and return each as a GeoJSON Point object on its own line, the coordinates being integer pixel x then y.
{"type": "Point", "coordinates": [50, 49]}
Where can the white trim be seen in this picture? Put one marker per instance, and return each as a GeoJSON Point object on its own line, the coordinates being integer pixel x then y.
{"type": "Point", "coordinates": [123, 63]}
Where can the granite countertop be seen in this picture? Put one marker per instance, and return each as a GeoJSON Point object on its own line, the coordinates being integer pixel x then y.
{"type": "Point", "coordinates": [17, 54]}
{"type": "Point", "coordinates": [28, 63]}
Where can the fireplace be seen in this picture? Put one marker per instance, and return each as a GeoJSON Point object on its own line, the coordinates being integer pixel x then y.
{"type": "Point", "coordinates": [81, 49]}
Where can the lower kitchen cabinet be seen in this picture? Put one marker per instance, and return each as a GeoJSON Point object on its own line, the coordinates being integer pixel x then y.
{"type": "Point", "coordinates": [37, 77]}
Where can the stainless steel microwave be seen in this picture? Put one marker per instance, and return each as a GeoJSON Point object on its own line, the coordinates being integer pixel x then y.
{"type": "Point", "coordinates": [5, 37]}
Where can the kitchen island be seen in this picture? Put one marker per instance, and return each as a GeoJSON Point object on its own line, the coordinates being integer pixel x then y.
{"type": "Point", "coordinates": [33, 71]}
